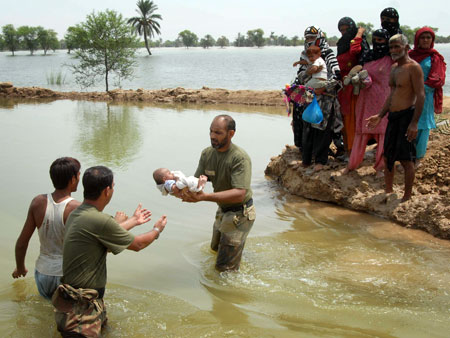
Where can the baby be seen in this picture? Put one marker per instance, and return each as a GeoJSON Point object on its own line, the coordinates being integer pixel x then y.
{"type": "Point", "coordinates": [169, 182]}
{"type": "Point", "coordinates": [317, 69]}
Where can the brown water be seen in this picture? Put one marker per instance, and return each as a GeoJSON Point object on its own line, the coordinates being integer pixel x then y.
{"type": "Point", "coordinates": [309, 269]}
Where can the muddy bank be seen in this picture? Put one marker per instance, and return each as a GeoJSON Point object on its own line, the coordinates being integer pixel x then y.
{"type": "Point", "coordinates": [360, 190]}
{"type": "Point", "coordinates": [172, 95]}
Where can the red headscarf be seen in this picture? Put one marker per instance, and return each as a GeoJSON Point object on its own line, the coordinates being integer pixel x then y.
{"type": "Point", "coordinates": [436, 77]}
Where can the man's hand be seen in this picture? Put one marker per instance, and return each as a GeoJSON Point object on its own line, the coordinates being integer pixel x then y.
{"type": "Point", "coordinates": [161, 223]}
{"type": "Point", "coordinates": [411, 132]}
{"type": "Point", "coordinates": [192, 197]}
{"type": "Point", "coordinates": [141, 215]}
{"type": "Point", "coordinates": [373, 121]}
{"type": "Point", "coordinates": [19, 272]}
{"type": "Point", "coordinates": [120, 217]}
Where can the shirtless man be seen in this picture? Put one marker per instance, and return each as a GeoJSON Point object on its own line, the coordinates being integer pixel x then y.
{"type": "Point", "coordinates": [404, 105]}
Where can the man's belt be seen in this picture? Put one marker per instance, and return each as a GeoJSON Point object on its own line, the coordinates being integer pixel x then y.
{"type": "Point", "coordinates": [237, 208]}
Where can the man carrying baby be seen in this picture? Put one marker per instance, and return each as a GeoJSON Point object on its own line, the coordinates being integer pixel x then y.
{"type": "Point", "coordinates": [229, 169]}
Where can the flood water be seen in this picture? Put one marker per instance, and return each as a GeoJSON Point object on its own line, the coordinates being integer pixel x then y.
{"type": "Point", "coordinates": [268, 68]}
{"type": "Point", "coordinates": [309, 269]}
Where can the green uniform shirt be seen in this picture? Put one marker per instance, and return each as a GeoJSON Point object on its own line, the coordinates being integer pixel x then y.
{"type": "Point", "coordinates": [227, 170]}
{"type": "Point", "coordinates": [89, 235]}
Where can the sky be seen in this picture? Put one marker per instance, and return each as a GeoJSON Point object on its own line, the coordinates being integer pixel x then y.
{"type": "Point", "coordinates": [230, 17]}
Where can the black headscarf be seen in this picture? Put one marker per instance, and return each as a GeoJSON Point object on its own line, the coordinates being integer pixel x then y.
{"type": "Point", "coordinates": [379, 50]}
{"type": "Point", "coordinates": [343, 44]}
{"type": "Point", "coordinates": [392, 27]}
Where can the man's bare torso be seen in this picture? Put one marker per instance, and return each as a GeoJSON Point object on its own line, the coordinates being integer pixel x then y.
{"type": "Point", "coordinates": [400, 81]}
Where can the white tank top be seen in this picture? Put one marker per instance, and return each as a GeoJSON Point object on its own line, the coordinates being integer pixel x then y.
{"type": "Point", "coordinates": [51, 236]}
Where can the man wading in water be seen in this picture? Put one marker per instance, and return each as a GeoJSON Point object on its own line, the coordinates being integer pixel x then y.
{"type": "Point", "coordinates": [229, 168]}
{"type": "Point", "coordinates": [404, 105]}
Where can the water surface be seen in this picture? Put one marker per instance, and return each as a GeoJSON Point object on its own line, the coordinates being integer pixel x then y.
{"type": "Point", "coordinates": [230, 68]}
{"type": "Point", "coordinates": [309, 269]}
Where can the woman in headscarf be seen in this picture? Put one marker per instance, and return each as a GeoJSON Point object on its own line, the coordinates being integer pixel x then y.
{"type": "Point", "coordinates": [390, 21]}
{"type": "Point", "coordinates": [433, 67]}
{"type": "Point", "coordinates": [370, 101]}
{"type": "Point", "coordinates": [314, 36]}
{"type": "Point", "coordinates": [314, 139]}
{"type": "Point", "coordinates": [352, 47]}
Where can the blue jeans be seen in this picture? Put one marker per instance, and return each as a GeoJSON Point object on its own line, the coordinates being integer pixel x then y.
{"type": "Point", "coordinates": [46, 284]}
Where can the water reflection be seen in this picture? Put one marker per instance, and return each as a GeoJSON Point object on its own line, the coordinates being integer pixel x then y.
{"type": "Point", "coordinates": [108, 133]}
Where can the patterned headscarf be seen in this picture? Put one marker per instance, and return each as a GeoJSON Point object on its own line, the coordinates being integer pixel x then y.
{"type": "Point", "coordinates": [379, 50]}
{"type": "Point", "coordinates": [326, 52]}
{"type": "Point", "coordinates": [392, 27]}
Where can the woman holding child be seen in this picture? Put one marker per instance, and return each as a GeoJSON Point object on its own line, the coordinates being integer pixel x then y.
{"type": "Point", "coordinates": [316, 138]}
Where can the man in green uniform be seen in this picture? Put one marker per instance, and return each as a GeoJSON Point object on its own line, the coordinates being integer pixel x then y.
{"type": "Point", "coordinates": [229, 168]}
{"type": "Point", "coordinates": [90, 234]}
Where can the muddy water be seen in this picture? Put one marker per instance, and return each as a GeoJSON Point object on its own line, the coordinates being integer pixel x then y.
{"type": "Point", "coordinates": [309, 269]}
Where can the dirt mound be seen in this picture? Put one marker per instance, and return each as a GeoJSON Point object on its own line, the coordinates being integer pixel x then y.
{"type": "Point", "coordinates": [429, 209]}
{"type": "Point", "coordinates": [204, 95]}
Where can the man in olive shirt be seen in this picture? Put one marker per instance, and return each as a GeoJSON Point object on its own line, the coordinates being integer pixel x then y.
{"type": "Point", "coordinates": [90, 234]}
{"type": "Point", "coordinates": [229, 168]}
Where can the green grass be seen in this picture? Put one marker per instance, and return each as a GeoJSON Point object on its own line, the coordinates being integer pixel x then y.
{"type": "Point", "coordinates": [56, 78]}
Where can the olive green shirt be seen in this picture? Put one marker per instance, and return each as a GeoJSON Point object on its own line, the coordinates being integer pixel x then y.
{"type": "Point", "coordinates": [89, 235]}
{"type": "Point", "coordinates": [227, 170]}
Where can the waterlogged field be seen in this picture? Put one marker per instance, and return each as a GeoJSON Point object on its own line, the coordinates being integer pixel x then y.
{"type": "Point", "coordinates": [230, 68]}
{"type": "Point", "coordinates": [309, 269]}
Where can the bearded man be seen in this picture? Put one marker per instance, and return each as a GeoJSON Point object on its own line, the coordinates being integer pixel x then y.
{"type": "Point", "coordinates": [404, 104]}
{"type": "Point", "coordinates": [229, 168]}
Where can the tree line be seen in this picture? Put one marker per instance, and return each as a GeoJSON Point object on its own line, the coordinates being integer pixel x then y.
{"type": "Point", "coordinates": [28, 38]}
{"type": "Point", "coordinates": [105, 43]}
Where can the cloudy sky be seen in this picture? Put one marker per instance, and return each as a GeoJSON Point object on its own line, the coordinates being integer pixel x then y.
{"type": "Point", "coordinates": [230, 17]}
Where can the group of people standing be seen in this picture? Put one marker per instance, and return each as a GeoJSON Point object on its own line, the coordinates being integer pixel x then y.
{"type": "Point", "coordinates": [368, 82]}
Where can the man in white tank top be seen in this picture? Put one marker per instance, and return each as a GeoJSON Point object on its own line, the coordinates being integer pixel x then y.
{"type": "Point", "coordinates": [48, 213]}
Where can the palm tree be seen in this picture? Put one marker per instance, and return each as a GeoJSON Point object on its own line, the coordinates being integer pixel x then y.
{"type": "Point", "coordinates": [146, 23]}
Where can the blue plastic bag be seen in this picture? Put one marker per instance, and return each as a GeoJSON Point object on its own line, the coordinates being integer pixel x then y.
{"type": "Point", "coordinates": [313, 113]}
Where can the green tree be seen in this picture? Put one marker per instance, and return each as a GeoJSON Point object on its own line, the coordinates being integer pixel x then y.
{"type": "Point", "coordinates": [11, 38]}
{"type": "Point", "coordinates": [29, 37]}
{"type": "Point", "coordinates": [256, 37]}
{"type": "Point", "coordinates": [295, 40]}
{"type": "Point", "coordinates": [48, 39]}
{"type": "Point", "coordinates": [189, 39]}
{"type": "Point", "coordinates": [207, 41]}
{"type": "Point", "coordinates": [73, 37]}
{"type": "Point", "coordinates": [147, 21]}
{"type": "Point", "coordinates": [106, 47]}
{"type": "Point", "coordinates": [240, 41]}
{"type": "Point", "coordinates": [282, 40]}
{"type": "Point", "coordinates": [272, 40]}
{"type": "Point", "coordinates": [222, 42]}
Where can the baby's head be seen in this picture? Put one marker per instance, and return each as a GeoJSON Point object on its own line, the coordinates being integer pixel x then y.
{"type": "Point", "coordinates": [313, 53]}
{"type": "Point", "coordinates": [161, 175]}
